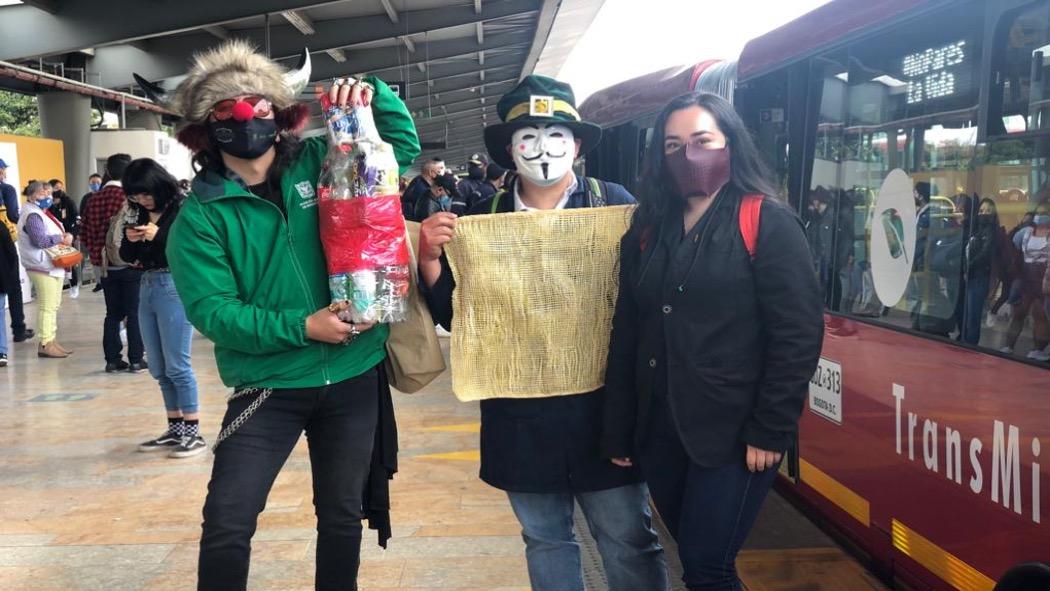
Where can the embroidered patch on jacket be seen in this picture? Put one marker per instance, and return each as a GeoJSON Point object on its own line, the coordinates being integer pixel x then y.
{"type": "Point", "coordinates": [305, 188]}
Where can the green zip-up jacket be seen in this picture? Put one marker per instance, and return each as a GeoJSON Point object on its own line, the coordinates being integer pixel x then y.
{"type": "Point", "coordinates": [248, 277]}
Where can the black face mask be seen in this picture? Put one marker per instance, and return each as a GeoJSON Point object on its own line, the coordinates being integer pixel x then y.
{"type": "Point", "coordinates": [986, 219]}
{"type": "Point", "coordinates": [244, 139]}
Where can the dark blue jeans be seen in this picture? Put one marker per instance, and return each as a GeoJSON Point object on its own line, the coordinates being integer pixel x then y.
{"type": "Point", "coordinates": [709, 511]}
{"type": "Point", "coordinates": [340, 422]}
{"type": "Point", "coordinates": [977, 287]}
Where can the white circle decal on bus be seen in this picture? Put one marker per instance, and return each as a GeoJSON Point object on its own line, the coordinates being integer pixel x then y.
{"type": "Point", "coordinates": [892, 245]}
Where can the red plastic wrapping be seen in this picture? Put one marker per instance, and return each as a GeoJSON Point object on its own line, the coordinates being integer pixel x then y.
{"type": "Point", "coordinates": [362, 234]}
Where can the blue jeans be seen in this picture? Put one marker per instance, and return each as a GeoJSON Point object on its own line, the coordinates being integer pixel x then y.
{"type": "Point", "coordinates": [621, 523]}
{"type": "Point", "coordinates": [3, 329]}
{"type": "Point", "coordinates": [977, 288]}
{"type": "Point", "coordinates": [708, 510]}
{"type": "Point", "coordinates": [167, 336]}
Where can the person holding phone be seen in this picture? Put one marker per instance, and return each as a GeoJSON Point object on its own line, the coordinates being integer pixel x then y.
{"type": "Point", "coordinates": [166, 332]}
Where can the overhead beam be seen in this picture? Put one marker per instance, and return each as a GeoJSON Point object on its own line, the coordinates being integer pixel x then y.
{"type": "Point", "coordinates": [168, 57]}
{"type": "Point", "coordinates": [390, 12]}
{"type": "Point", "coordinates": [90, 23]}
{"type": "Point", "coordinates": [216, 31]}
{"type": "Point", "coordinates": [544, 25]}
{"type": "Point", "coordinates": [48, 6]}
{"type": "Point", "coordinates": [460, 68]}
{"type": "Point", "coordinates": [377, 59]}
{"type": "Point", "coordinates": [474, 92]}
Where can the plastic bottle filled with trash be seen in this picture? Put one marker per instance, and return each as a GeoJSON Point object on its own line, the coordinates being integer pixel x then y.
{"type": "Point", "coordinates": [362, 227]}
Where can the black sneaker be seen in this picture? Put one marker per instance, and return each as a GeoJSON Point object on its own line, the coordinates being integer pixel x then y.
{"type": "Point", "coordinates": [166, 442]}
{"type": "Point", "coordinates": [117, 366]}
{"type": "Point", "coordinates": [3, 359]}
{"type": "Point", "coordinates": [189, 447]}
{"type": "Point", "coordinates": [137, 367]}
{"type": "Point", "coordinates": [25, 335]}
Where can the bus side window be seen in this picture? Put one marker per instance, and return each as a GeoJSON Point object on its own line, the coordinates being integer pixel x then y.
{"type": "Point", "coordinates": [876, 108]}
{"type": "Point", "coordinates": [1021, 73]}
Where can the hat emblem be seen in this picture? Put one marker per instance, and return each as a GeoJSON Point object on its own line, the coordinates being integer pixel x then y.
{"type": "Point", "coordinates": [541, 106]}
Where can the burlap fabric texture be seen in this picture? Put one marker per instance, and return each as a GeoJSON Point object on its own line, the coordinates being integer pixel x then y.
{"type": "Point", "coordinates": [534, 300]}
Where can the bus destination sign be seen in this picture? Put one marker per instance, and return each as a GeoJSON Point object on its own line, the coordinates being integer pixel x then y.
{"type": "Point", "coordinates": [935, 73]}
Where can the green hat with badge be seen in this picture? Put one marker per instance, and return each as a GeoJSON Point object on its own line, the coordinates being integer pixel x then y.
{"type": "Point", "coordinates": [537, 100]}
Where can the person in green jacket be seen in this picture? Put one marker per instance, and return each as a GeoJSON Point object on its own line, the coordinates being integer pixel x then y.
{"type": "Point", "coordinates": [248, 265]}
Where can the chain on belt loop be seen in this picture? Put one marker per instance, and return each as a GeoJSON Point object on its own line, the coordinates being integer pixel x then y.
{"type": "Point", "coordinates": [236, 423]}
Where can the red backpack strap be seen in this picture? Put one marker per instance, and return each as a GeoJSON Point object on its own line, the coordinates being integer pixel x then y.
{"type": "Point", "coordinates": [750, 213]}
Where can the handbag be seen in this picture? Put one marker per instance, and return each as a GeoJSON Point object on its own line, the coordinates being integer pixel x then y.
{"type": "Point", "coordinates": [63, 256]}
{"type": "Point", "coordinates": [414, 357]}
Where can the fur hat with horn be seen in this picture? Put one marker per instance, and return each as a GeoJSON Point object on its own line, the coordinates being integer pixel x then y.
{"type": "Point", "coordinates": [232, 69]}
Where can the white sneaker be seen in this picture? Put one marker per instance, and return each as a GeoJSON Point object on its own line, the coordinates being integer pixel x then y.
{"type": "Point", "coordinates": [74, 291]}
{"type": "Point", "coordinates": [1007, 350]}
{"type": "Point", "coordinates": [1039, 355]}
{"type": "Point", "coordinates": [441, 332]}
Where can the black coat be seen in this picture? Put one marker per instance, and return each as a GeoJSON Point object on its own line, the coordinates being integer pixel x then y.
{"type": "Point", "coordinates": [732, 343]}
{"type": "Point", "coordinates": [540, 445]}
{"type": "Point", "coordinates": [8, 265]}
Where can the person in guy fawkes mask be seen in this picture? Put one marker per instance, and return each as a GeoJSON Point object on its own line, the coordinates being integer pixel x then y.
{"type": "Point", "coordinates": [246, 257]}
{"type": "Point", "coordinates": [544, 452]}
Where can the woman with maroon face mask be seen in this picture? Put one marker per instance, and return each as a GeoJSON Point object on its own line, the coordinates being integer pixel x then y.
{"type": "Point", "coordinates": [717, 331]}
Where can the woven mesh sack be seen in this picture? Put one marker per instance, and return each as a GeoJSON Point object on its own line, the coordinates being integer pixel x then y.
{"type": "Point", "coordinates": [534, 300]}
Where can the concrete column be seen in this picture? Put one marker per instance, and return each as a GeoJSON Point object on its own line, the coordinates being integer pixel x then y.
{"type": "Point", "coordinates": [140, 119]}
{"type": "Point", "coordinates": [66, 116]}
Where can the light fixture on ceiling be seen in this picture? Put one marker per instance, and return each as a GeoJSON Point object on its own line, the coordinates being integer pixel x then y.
{"type": "Point", "coordinates": [300, 22]}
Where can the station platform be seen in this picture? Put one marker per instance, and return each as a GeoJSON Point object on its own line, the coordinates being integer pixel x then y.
{"type": "Point", "coordinates": [82, 510]}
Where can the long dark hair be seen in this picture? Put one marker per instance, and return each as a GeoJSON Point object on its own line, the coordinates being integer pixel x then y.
{"type": "Point", "coordinates": [748, 174]}
{"type": "Point", "coordinates": [146, 175]}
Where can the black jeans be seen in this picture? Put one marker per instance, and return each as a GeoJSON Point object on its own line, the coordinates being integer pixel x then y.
{"type": "Point", "coordinates": [340, 422]}
{"type": "Point", "coordinates": [709, 511]}
{"type": "Point", "coordinates": [121, 288]}
{"type": "Point", "coordinates": [14, 301]}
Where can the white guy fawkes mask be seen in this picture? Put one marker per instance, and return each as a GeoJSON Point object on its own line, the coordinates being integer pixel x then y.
{"type": "Point", "coordinates": [543, 153]}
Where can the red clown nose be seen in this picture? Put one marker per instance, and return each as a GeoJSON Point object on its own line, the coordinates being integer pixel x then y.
{"type": "Point", "coordinates": [242, 111]}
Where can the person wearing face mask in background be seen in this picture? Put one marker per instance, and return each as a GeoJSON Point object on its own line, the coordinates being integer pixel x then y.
{"type": "Point", "coordinates": [120, 281]}
{"type": "Point", "coordinates": [544, 451]}
{"type": "Point", "coordinates": [166, 333]}
{"type": "Point", "coordinates": [66, 211]}
{"type": "Point", "coordinates": [1034, 244]}
{"type": "Point", "coordinates": [38, 230]}
{"type": "Point", "coordinates": [245, 253]}
{"type": "Point", "coordinates": [980, 255]}
{"type": "Point", "coordinates": [443, 195]}
{"type": "Point", "coordinates": [474, 188]}
{"type": "Point", "coordinates": [416, 190]}
{"type": "Point", "coordinates": [717, 332]}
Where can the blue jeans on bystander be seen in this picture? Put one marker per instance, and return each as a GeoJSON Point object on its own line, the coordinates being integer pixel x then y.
{"type": "Point", "coordinates": [167, 335]}
{"type": "Point", "coordinates": [621, 523]}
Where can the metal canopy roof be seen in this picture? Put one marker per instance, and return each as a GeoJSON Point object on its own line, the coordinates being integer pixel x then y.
{"type": "Point", "coordinates": [454, 58]}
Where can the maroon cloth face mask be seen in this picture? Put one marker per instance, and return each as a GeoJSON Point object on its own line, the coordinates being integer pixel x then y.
{"type": "Point", "coordinates": [698, 172]}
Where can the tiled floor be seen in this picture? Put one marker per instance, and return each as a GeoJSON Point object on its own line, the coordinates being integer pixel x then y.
{"type": "Point", "coordinates": [81, 510]}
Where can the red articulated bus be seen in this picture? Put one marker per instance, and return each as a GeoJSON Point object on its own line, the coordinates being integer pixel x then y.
{"type": "Point", "coordinates": [888, 124]}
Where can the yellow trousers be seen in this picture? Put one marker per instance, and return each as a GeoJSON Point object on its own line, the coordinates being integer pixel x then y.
{"type": "Point", "coordinates": [49, 298]}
